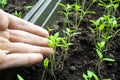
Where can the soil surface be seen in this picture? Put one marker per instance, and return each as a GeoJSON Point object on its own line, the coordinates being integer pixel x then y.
{"type": "Point", "coordinates": [19, 6]}
{"type": "Point", "coordinates": [81, 55]}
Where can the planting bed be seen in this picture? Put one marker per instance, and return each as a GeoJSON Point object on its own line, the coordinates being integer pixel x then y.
{"type": "Point", "coordinates": [81, 55]}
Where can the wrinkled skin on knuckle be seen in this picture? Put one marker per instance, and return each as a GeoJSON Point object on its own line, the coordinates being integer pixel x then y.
{"type": "Point", "coordinates": [4, 44]}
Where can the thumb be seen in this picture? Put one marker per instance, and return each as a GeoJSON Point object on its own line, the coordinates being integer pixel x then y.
{"type": "Point", "coordinates": [3, 20]}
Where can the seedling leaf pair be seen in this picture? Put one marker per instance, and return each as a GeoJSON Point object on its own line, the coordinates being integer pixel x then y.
{"type": "Point", "coordinates": [90, 75]}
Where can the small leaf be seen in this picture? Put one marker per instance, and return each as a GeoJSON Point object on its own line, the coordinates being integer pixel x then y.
{"type": "Point", "coordinates": [99, 54]}
{"type": "Point", "coordinates": [101, 27]}
{"type": "Point", "coordinates": [77, 7]}
{"type": "Point", "coordinates": [116, 6]}
{"type": "Point", "coordinates": [85, 76]}
{"type": "Point", "coordinates": [89, 73]}
{"type": "Point", "coordinates": [60, 4]}
{"type": "Point", "coordinates": [108, 59]}
{"type": "Point", "coordinates": [117, 31]}
{"type": "Point", "coordinates": [94, 22]}
{"type": "Point", "coordinates": [19, 77]}
{"type": "Point", "coordinates": [56, 35]}
{"type": "Point", "coordinates": [46, 62]}
{"type": "Point", "coordinates": [101, 44]}
{"type": "Point", "coordinates": [92, 30]}
{"type": "Point", "coordinates": [92, 74]}
{"type": "Point", "coordinates": [94, 1]}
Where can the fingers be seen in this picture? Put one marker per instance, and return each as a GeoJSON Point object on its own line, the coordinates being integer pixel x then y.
{"type": "Point", "coordinates": [20, 24]}
{"type": "Point", "coordinates": [17, 59]}
{"type": "Point", "coordinates": [4, 44]}
{"type": "Point", "coordinates": [3, 20]}
{"type": "Point", "coordinates": [3, 54]}
{"type": "Point", "coordinates": [4, 34]}
{"type": "Point", "coordinates": [25, 37]}
{"type": "Point", "coordinates": [27, 48]}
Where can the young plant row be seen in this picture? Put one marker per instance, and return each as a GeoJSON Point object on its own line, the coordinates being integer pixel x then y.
{"type": "Point", "coordinates": [104, 31]}
{"type": "Point", "coordinates": [69, 32]}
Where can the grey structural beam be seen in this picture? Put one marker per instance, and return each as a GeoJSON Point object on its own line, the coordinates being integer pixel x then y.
{"type": "Point", "coordinates": [44, 12]}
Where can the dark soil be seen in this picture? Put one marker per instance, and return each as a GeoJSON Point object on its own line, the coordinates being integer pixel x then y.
{"type": "Point", "coordinates": [19, 5]}
{"type": "Point", "coordinates": [81, 55]}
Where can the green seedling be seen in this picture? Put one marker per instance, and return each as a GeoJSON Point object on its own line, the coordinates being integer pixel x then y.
{"type": "Point", "coordinates": [19, 77]}
{"type": "Point", "coordinates": [64, 46]}
{"type": "Point", "coordinates": [104, 32]}
{"type": "Point", "coordinates": [54, 41]}
{"type": "Point", "coordinates": [70, 34]}
{"type": "Point", "coordinates": [79, 10]}
{"type": "Point", "coordinates": [18, 14]}
{"type": "Point", "coordinates": [3, 3]}
{"type": "Point", "coordinates": [110, 6]}
{"type": "Point", "coordinates": [67, 12]}
{"type": "Point", "coordinates": [82, 10]}
{"type": "Point", "coordinates": [27, 8]}
{"type": "Point", "coordinates": [46, 63]}
{"type": "Point", "coordinates": [105, 29]}
{"type": "Point", "coordinates": [100, 52]}
{"type": "Point", "coordinates": [90, 76]}
{"type": "Point", "coordinates": [49, 29]}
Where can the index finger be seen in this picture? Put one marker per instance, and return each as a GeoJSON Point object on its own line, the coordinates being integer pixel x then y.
{"type": "Point", "coordinates": [20, 24]}
{"type": "Point", "coordinates": [3, 20]}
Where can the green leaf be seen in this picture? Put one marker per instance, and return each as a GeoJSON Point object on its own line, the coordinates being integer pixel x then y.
{"type": "Point", "coordinates": [101, 27]}
{"type": "Point", "coordinates": [101, 4]}
{"type": "Point", "coordinates": [106, 37]}
{"type": "Point", "coordinates": [92, 74]}
{"type": "Point", "coordinates": [92, 30]}
{"type": "Point", "coordinates": [56, 35]}
{"type": "Point", "coordinates": [89, 73]}
{"type": "Point", "coordinates": [50, 43]}
{"type": "Point", "coordinates": [27, 7]}
{"type": "Point", "coordinates": [99, 54]}
{"type": "Point", "coordinates": [94, 1]}
{"type": "Point", "coordinates": [95, 76]}
{"type": "Point", "coordinates": [46, 62]}
{"type": "Point", "coordinates": [94, 22]}
{"type": "Point", "coordinates": [85, 76]}
{"type": "Point", "coordinates": [69, 6]}
{"type": "Point", "coordinates": [19, 77]}
{"type": "Point", "coordinates": [108, 59]}
{"type": "Point", "coordinates": [116, 6]}
{"type": "Point", "coordinates": [60, 4]}
{"type": "Point", "coordinates": [77, 7]}
{"type": "Point", "coordinates": [117, 31]}
{"type": "Point", "coordinates": [101, 44]}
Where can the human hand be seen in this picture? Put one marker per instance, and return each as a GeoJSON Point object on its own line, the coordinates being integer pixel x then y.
{"type": "Point", "coordinates": [21, 42]}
